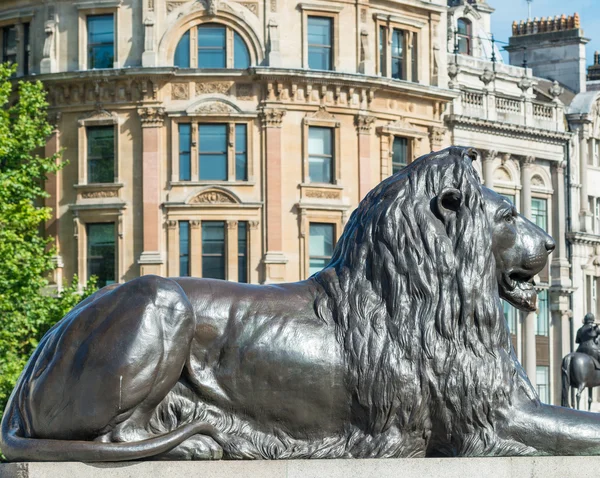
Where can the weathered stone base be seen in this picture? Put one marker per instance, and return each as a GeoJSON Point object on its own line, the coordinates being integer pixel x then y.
{"type": "Point", "coordinates": [538, 467]}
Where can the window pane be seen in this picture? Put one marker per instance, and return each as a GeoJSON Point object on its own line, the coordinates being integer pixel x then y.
{"type": "Point", "coordinates": [184, 248]}
{"type": "Point", "coordinates": [510, 314]}
{"type": "Point", "coordinates": [510, 197]}
{"type": "Point", "coordinates": [539, 212]}
{"type": "Point", "coordinates": [463, 36]}
{"type": "Point", "coordinates": [182, 52]}
{"type": "Point", "coordinates": [213, 249]}
{"type": "Point", "coordinates": [213, 151]}
{"type": "Point", "coordinates": [542, 378]}
{"type": "Point", "coordinates": [101, 154]}
{"type": "Point", "coordinates": [414, 59]}
{"type": "Point", "coordinates": [242, 251]}
{"type": "Point", "coordinates": [185, 146]}
{"type": "Point", "coordinates": [320, 149]}
{"type": "Point", "coordinates": [101, 252]}
{"type": "Point", "coordinates": [382, 40]}
{"type": "Point", "coordinates": [398, 54]}
{"type": "Point", "coordinates": [101, 34]}
{"type": "Point", "coordinates": [543, 316]}
{"type": "Point", "coordinates": [211, 46]}
{"type": "Point", "coordinates": [241, 55]}
{"type": "Point", "coordinates": [27, 48]}
{"type": "Point", "coordinates": [399, 154]}
{"type": "Point", "coordinates": [9, 44]}
{"type": "Point", "coordinates": [320, 246]}
{"type": "Point", "coordinates": [241, 153]}
{"type": "Point", "coordinates": [319, 43]}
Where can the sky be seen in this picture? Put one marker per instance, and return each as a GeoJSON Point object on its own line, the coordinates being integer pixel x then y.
{"type": "Point", "coordinates": [509, 10]}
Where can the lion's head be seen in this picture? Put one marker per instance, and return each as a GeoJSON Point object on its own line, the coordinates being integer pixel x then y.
{"type": "Point", "coordinates": [521, 250]}
{"type": "Point", "coordinates": [413, 289]}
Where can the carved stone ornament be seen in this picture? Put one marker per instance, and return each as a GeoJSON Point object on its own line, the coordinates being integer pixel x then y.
{"type": "Point", "coordinates": [490, 155]}
{"type": "Point", "coordinates": [215, 108]}
{"type": "Point", "coordinates": [108, 193]}
{"type": "Point", "coordinates": [322, 194]}
{"type": "Point", "coordinates": [252, 6]}
{"type": "Point", "coordinates": [487, 76]}
{"type": "Point", "coordinates": [536, 180]}
{"type": "Point", "coordinates": [222, 87]}
{"type": "Point", "coordinates": [174, 5]}
{"type": "Point", "coordinates": [436, 136]}
{"type": "Point", "coordinates": [212, 197]}
{"type": "Point", "coordinates": [453, 70]}
{"type": "Point", "coordinates": [151, 116]}
{"type": "Point", "coordinates": [556, 90]}
{"type": "Point", "coordinates": [525, 83]}
{"type": "Point", "coordinates": [397, 348]}
{"type": "Point", "coordinates": [527, 161]}
{"type": "Point", "coordinates": [272, 117]}
{"type": "Point", "coordinates": [180, 91]}
{"type": "Point", "coordinates": [364, 123]}
{"type": "Point", "coordinates": [244, 92]}
{"type": "Point", "coordinates": [172, 224]}
{"type": "Point", "coordinates": [322, 114]}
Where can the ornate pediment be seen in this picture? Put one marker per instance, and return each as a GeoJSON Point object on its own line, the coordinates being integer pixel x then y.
{"type": "Point", "coordinates": [400, 125]}
{"type": "Point", "coordinates": [99, 115]}
{"type": "Point", "coordinates": [214, 196]}
{"type": "Point", "coordinates": [321, 114]}
{"type": "Point", "coordinates": [213, 107]}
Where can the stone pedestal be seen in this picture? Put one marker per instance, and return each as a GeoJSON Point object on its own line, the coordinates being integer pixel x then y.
{"type": "Point", "coordinates": [531, 467]}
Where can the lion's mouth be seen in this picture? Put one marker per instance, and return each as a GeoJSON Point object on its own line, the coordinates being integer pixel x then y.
{"type": "Point", "coordinates": [518, 288]}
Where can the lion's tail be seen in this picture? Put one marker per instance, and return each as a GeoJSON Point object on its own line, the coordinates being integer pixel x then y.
{"type": "Point", "coordinates": [16, 447]}
{"type": "Point", "coordinates": [566, 380]}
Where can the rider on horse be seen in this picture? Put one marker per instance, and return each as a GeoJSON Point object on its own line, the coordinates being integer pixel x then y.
{"type": "Point", "coordinates": [587, 338]}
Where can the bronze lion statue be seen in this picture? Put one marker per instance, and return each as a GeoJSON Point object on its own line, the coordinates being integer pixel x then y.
{"type": "Point", "coordinates": [398, 348]}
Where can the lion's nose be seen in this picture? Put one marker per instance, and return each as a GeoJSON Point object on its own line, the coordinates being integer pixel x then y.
{"type": "Point", "coordinates": [550, 245]}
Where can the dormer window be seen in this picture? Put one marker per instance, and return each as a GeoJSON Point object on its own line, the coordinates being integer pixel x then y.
{"type": "Point", "coordinates": [464, 35]}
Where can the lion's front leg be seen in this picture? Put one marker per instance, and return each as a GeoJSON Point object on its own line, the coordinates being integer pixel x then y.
{"type": "Point", "coordinates": [553, 430]}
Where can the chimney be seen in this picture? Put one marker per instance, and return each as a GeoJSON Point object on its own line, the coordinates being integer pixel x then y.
{"type": "Point", "coordinates": [554, 48]}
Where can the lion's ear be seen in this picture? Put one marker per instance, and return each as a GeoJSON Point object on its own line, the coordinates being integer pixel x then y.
{"type": "Point", "coordinates": [449, 201]}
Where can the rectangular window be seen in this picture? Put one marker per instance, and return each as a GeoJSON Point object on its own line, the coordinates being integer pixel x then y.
{"type": "Point", "coordinates": [399, 154]}
{"type": "Point", "coordinates": [9, 44]}
{"type": "Point", "coordinates": [26, 48]}
{"type": "Point", "coordinates": [543, 317]}
{"type": "Point", "coordinates": [596, 210]}
{"type": "Point", "coordinates": [398, 70]}
{"type": "Point", "coordinates": [539, 212]}
{"type": "Point", "coordinates": [241, 152]}
{"type": "Point", "coordinates": [510, 314]}
{"type": "Point", "coordinates": [213, 249]}
{"type": "Point", "coordinates": [213, 152]}
{"type": "Point", "coordinates": [185, 151]}
{"type": "Point", "coordinates": [101, 154]}
{"type": "Point", "coordinates": [101, 252]}
{"type": "Point", "coordinates": [320, 43]}
{"type": "Point", "coordinates": [101, 41]}
{"type": "Point", "coordinates": [510, 197]}
{"type": "Point", "coordinates": [211, 46]}
{"type": "Point", "coordinates": [320, 247]}
{"type": "Point", "coordinates": [542, 379]}
{"type": "Point", "coordinates": [382, 40]}
{"type": "Point", "coordinates": [414, 59]}
{"type": "Point", "coordinates": [242, 251]}
{"type": "Point", "coordinates": [320, 154]}
{"type": "Point", "coordinates": [184, 248]}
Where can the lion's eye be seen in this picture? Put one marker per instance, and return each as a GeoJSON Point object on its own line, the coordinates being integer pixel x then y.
{"type": "Point", "coordinates": [509, 218]}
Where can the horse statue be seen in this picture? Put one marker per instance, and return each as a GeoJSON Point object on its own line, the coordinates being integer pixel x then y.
{"type": "Point", "coordinates": [581, 369]}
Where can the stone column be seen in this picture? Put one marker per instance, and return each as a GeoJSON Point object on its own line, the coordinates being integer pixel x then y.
{"type": "Point", "coordinates": [560, 263]}
{"type": "Point", "coordinates": [529, 353]}
{"type": "Point", "coordinates": [559, 326]}
{"type": "Point", "coordinates": [526, 186]}
{"type": "Point", "coordinates": [583, 165]}
{"type": "Point", "coordinates": [254, 251]}
{"type": "Point", "coordinates": [488, 168]}
{"type": "Point", "coordinates": [173, 248]}
{"type": "Point", "coordinates": [274, 259]}
{"type": "Point", "coordinates": [151, 259]}
{"type": "Point", "coordinates": [195, 248]}
{"type": "Point", "coordinates": [53, 188]}
{"type": "Point", "coordinates": [231, 257]}
{"type": "Point", "coordinates": [363, 126]}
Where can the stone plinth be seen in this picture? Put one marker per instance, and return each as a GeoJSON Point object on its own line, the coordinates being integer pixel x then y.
{"type": "Point", "coordinates": [542, 467]}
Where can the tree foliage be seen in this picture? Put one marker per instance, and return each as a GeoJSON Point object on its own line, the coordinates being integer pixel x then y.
{"type": "Point", "coordinates": [27, 310]}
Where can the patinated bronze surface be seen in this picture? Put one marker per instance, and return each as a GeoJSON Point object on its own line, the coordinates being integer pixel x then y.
{"type": "Point", "coordinates": [581, 369]}
{"type": "Point", "coordinates": [398, 348]}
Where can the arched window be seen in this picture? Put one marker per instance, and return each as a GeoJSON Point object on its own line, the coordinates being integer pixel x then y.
{"type": "Point", "coordinates": [464, 36]}
{"type": "Point", "coordinates": [212, 48]}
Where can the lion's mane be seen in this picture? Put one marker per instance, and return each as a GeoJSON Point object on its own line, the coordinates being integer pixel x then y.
{"type": "Point", "coordinates": [416, 304]}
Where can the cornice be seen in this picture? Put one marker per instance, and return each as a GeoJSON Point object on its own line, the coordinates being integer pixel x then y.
{"type": "Point", "coordinates": [507, 129]}
{"type": "Point", "coordinates": [583, 238]}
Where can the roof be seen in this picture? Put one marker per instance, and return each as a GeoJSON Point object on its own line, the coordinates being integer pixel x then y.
{"type": "Point", "coordinates": [542, 92]}
{"type": "Point", "coordinates": [582, 103]}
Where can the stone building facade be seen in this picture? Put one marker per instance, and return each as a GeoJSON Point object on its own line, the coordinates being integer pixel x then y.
{"type": "Point", "coordinates": [224, 138]}
{"type": "Point", "coordinates": [517, 121]}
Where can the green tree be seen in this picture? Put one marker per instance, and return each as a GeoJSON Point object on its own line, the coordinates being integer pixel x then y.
{"type": "Point", "coordinates": [26, 311]}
